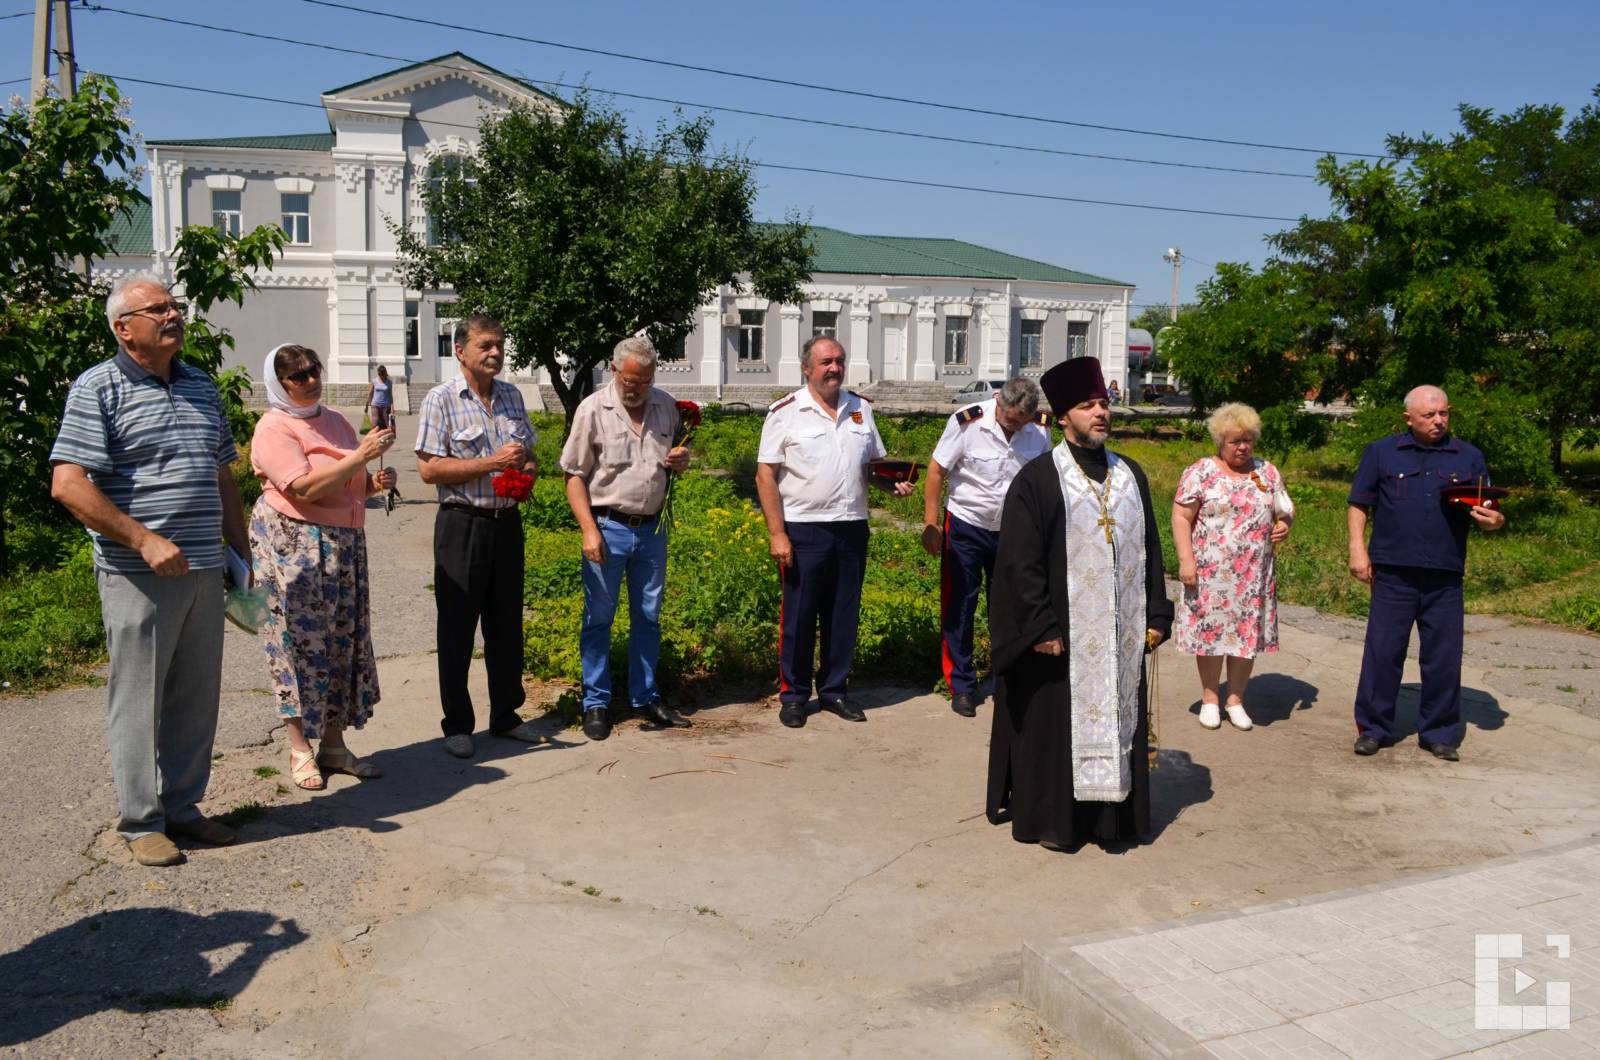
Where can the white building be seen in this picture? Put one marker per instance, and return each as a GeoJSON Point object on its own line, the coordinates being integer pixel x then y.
{"type": "Point", "coordinates": [912, 310]}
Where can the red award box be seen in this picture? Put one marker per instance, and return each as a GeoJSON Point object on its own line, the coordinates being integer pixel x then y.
{"type": "Point", "coordinates": [887, 473]}
{"type": "Point", "coordinates": [1470, 494]}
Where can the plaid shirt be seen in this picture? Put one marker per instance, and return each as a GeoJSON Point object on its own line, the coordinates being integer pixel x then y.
{"type": "Point", "coordinates": [454, 423]}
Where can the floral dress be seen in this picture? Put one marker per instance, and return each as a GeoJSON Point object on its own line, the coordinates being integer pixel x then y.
{"type": "Point", "coordinates": [1233, 609]}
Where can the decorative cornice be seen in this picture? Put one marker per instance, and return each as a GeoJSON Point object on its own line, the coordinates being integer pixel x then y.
{"type": "Point", "coordinates": [389, 178]}
{"type": "Point", "coordinates": [351, 175]}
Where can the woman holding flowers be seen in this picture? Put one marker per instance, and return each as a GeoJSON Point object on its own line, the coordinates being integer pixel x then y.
{"type": "Point", "coordinates": [310, 548]}
{"type": "Point", "coordinates": [1229, 512]}
{"type": "Point", "coordinates": [626, 440]}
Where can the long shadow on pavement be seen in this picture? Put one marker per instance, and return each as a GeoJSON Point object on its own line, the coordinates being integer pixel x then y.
{"type": "Point", "coordinates": [1479, 710]}
{"type": "Point", "coordinates": [415, 776]}
{"type": "Point", "coordinates": [134, 960]}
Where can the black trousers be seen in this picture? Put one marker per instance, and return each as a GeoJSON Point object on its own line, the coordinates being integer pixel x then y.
{"type": "Point", "coordinates": [477, 577]}
{"type": "Point", "coordinates": [821, 594]}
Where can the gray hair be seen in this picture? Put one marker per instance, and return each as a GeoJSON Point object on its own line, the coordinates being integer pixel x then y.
{"type": "Point", "coordinates": [1418, 394]}
{"type": "Point", "coordinates": [805, 351]}
{"type": "Point", "coordinates": [117, 300]}
{"type": "Point", "coordinates": [640, 348]}
{"type": "Point", "coordinates": [1020, 395]}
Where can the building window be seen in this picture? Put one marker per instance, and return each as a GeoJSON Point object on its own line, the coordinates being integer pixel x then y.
{"type": "Point", "coordinates": [227, 215]}
{"type": "Point", "coordinates": [674, 350]}
{"type": "Point", "coordinates": [297, 217]}
{"type": "Point", "coordinates": [1032, 343]}
{"type": "Point", "coordinates": [446, 173]}
{"type": "Point", "coordinates": [413, 323]}
{"type": "Point", "coordinates": [1077, 338]}
{"type": "Point", "coordinates": [751, 327]}
{"type": "Point", "coordinates": [447, 330]}
{"type": "Point", "coordinates": [824, 325]}
{"type": "Point", "coordinates": [955, 341]}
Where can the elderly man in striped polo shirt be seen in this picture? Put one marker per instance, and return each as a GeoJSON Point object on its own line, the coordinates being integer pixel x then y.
{"type": "Point", "coordinates": [143, 461]}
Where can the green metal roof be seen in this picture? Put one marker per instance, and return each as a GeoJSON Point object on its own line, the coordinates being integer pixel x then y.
{"type": "Point", "coordinates": [130, 233]}
{"type": "Point", "coordinates": [440, 61]}
{"type": "Point", "coordinates": [838, 251]}
{"type": "Point", "coordinates": [291, 142]}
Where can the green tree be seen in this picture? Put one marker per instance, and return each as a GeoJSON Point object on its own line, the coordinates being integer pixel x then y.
{"type": "Point", "coordinates": [574, 234]}
{"type": "Point", "coordinates": [66, 172]}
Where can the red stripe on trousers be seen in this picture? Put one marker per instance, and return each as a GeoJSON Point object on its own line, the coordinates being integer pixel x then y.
{"type": "Point", "coordinates": [944, 601]}
{"type": "Point", "coordinates": [783, 686]}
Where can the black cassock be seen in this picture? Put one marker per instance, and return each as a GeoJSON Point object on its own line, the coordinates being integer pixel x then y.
{"type": "Point", "coordinates": [1030, 747]}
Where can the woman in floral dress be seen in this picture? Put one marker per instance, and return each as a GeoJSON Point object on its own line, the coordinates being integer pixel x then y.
{"type": "Point", "coordinates": [1229, 512]}
{"type": "Point", "coordinates": [310, 548]}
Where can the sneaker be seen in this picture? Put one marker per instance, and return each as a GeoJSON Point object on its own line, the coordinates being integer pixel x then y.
{"type": "Point", "coordinates": [154, 849]}
{"type": "Point", "coordinates": [1211, 715]}
{"type": "Point", "coordinates": [459, 745]}
{"type": "Point", "coordinates": [1237, 715]}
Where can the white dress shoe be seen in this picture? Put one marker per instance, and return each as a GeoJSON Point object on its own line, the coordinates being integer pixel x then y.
{"type": "Point", "coordinates": [1210, 715]}
{"type": "Point", "coordinates": [1237, 715]}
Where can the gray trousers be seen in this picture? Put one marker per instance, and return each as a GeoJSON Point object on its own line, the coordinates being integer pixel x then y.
{"type": "Point", "coordinates": [164, 636]}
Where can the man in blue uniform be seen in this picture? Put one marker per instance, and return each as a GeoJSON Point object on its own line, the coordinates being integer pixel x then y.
{"type": "Point", "coordinates": [1414, 564]}
{"type": "Point", "coordinates": [982, 449]}
{"type": "Point", "coordinates": [811, 474]}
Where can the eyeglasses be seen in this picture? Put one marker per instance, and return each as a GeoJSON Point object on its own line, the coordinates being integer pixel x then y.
{"type": "Point", "coordinates": [157, 310]}
{"type": "Point", "coordinates": [305, 375]}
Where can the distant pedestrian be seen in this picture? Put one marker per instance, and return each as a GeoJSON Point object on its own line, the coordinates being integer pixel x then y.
{"type": "Point", "coordinates": [1414, 564]}
{"type": "Point", "coordinates": [982, 449]}
{"type": "Point", "coordinates": [468, 429]}
{"type": "Point", "coordinates": [380, 399]}
{"type": "Point", "coordinates": [310, 543]}
{"type": "Point", "coordinates": [1114, 392]}
{"type": "Point", "coordinates": [1231, 509]}
{"type": "Point", "coordinates": [143, 460]}
{"type": "Point", "coordinates": [617, 457]}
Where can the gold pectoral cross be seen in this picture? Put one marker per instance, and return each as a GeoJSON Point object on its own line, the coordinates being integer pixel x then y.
{"type": "Point", "coordinates": [1105, 521]}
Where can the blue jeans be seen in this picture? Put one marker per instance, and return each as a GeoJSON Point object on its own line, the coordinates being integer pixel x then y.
{"type": "Point", "coordinates": [641, 554]}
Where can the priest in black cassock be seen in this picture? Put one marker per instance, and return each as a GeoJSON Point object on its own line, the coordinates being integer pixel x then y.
{"type": "Point", "coordinates": [1078, 598]}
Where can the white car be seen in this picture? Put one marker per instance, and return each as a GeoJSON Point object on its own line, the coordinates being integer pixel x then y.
{"type": "Point", "coordinates": [982, 390]}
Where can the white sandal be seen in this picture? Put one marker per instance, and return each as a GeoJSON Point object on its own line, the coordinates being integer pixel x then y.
{"type": "Point", "coordinates": [1210, 715]}
{"type": "Point", "coordinates": [304, 771]}
{"type": "Point", "coordinates": [1239, 718]}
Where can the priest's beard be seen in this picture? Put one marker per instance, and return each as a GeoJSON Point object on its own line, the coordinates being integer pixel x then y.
{"type": "Point", "coordinates": [1084, 441]}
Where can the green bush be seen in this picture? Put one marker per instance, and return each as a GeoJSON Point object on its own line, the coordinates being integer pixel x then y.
{"type": "Point", "coordinates": [547, 508]}
{"type": "Point", "coordinates": [245, 478]}
{"type": "Point", "coordinates": [1288, 428]}
{"type": "Point", "coordinates": [50, 623]}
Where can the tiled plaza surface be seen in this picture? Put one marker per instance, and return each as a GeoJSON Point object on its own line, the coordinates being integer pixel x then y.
{"type": "Point", "coordinates": [1497, 960]}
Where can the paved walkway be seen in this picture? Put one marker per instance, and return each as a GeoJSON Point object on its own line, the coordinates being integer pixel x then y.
{"type": "Point", "coordinates": [1501, 960]}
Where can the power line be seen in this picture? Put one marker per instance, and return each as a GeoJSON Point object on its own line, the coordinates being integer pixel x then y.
{"type": "Point", "coordinates": [738, 110]}
{"type": "Point", "coordinates": [1006, 192]}
{"type": "Point", "coordinates": [438, 24]}
{"type": "Point", "coordinates": [703, 69]}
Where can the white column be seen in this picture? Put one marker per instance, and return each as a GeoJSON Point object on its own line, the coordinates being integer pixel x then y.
{"type": "Point", "coordinates": [789, 346]}
{"type": "Point", "coordinates": [995, 362]}
{"type": "Point", "coordinates": [350, 206]}
{"type": "Point", "coordinates": [859, 369]}
{"type": "Point", "coordinates": [711, 343]}
{"type": "Point", "coordinates": [388, 198]}
{"type": "Point", "coordinates": [924, 371]}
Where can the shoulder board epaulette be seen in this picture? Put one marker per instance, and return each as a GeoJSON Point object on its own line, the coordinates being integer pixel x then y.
{"type": "Point", "coordinates": [863, 397]}
{"type": "Point", "coordinates": [1044, 420]}
{"type": "Point", "coordinates": [970, 414]}
{"type": "Point", "coordinates": [775, 406]}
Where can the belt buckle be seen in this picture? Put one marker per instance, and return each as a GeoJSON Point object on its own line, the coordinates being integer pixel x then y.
{"type": "Point", "coordinates": [635, 521]}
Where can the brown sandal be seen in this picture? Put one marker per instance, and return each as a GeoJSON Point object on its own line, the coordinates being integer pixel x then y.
{"type": "Point", "coordinates": [343, 760]}
{"type": "Point", "coordinates": [304, 771]}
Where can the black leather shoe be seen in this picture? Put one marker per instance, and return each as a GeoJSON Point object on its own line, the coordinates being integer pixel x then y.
{"type": "Point", "coordinates": [1441, 750]}
{"type": "Point", "coordinates": [793, 715]}
{"type": "Point", "coordinates": [663, 715]}
{"type": "Point", "coordinates": [1366, 745]}
{"type": "Point", "coordinates": [963, 705]}
{"type": "Point", "coordinates": [596, 723]}
{"type": "Point", "coordinates": [843, 709]}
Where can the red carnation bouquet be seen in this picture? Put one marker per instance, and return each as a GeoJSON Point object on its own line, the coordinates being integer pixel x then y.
{"type": "Point", "coordinates": [512, 483]}
{"type": "Point", "coordinates": [688, 420]}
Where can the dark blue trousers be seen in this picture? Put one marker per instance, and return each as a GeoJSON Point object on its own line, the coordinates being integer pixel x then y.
{"type": "Point", "coordinates": [821, 595]}
{"type": "Point", "coordinates": [1430, 600]}
{"type": "Point", "coordinates": [965, 566]}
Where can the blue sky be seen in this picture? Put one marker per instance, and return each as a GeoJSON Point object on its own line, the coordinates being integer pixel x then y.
{"type": "Point", "coordinates": [1323, 76]}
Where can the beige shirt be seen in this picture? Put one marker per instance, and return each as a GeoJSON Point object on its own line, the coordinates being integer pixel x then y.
{"type": "Point", "coordinates": [623, 468]}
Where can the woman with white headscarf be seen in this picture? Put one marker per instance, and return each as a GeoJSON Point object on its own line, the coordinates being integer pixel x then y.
{"type": "Point", "coordinates": [310, 547]}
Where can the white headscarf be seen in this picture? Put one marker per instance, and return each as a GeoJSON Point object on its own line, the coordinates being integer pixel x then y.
{"type": "Point", "coordinates": [277, 396]}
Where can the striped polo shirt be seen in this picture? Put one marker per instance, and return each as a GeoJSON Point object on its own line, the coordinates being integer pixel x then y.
{"type": "Point", "coordinates": [153, 448]}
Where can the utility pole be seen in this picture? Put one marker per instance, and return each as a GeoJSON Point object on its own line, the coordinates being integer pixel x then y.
{"type": "Point", "coordinates": [1175, 256]}
{"type": "Point", "coordinates": [60, 12]}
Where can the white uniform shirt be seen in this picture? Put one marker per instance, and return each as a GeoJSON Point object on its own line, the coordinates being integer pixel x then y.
{"type": "Point", "coordinates": [822, 463]}
{"type": "Point", "coordinates": [981, 462]}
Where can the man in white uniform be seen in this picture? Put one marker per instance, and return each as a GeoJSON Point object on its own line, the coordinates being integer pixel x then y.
{"type": "Point", "coordinates": [982, 449]}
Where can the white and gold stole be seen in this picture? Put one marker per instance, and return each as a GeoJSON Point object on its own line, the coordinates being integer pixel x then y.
{"type": "Point", "coordinates": [1106, 623]}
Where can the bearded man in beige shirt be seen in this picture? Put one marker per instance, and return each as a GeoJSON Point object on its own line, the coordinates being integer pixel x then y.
{"type": "Point", "coordinates": [617, 458]}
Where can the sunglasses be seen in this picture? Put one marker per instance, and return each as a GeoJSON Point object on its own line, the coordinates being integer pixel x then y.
{"type": "Point", "coordinates": [305, 375]}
